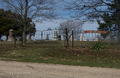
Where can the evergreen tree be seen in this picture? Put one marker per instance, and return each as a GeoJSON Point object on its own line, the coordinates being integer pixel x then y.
{"type": "Point", "coordinates": [110, 21]}
{"type": "Point", "coordinates": [8, 21]}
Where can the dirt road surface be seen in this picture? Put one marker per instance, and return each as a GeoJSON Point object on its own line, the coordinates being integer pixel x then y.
{"type": "Point", "coordinates": [10, 69]}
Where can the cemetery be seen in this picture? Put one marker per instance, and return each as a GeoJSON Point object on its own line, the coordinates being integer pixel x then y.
{"type": "Point", "coordinates": [50, 46]}
{"type": "Point", "coordinates": [84, 33]}
{"type": "Point", "coordinates": [84, 53]}
{"type": "Point", "coordinates": [52, 36]}
{"type": "Point", "coordinates": [55, 34]}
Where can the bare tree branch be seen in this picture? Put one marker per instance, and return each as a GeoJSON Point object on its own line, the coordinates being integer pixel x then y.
{"type": "Point", "coordinates": [74, 25]}
{"type": "Point", "coordinates": [34, 9]}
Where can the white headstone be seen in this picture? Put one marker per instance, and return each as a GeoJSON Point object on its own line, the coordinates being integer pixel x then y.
{"type": "Point", "coordinates": [96, 37]}
{"type": "Point", "coordinates": [80, 36]}
{"type": "Point", "coordinates": [55, 35]}
{"type": "Point", "coordinates": [84, 38]}
{"type": "Point", "coordinates": [61, 37]}
{"type": "Point", "coordinates": [71, 38]}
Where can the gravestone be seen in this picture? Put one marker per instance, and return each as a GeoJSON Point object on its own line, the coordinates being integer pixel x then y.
{"type": "Point", "coordinates": [55, 35]}
{"type": "Point", "coordinates": [80, 36]}
{"type": "Point", "coordinates": [71, 38]}
{"type": "Point", "coordinates": [85, 39]}
{"type": "Point", "coordinates": [47, 37]}
{"type": "Point", "coordinates": [62, 37]}
{"type": "Point", "coordinates": [96, 37]}
{"type": "Point", "coordinates": [10, 37]}
{"type": "Point", "coordinates": [29, 37]}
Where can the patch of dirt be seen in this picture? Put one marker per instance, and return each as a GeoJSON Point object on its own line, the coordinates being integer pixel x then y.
{"type": "Point", "coordinates": [11, 69]}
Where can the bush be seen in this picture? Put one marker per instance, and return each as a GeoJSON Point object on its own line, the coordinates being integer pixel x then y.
{"type": "Point", "coordinates": [98, 46]}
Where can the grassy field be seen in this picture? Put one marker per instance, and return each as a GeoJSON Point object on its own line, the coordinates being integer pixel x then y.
{"type": "Point", "coordinates": [82, 56]}
{"type": "Point", "coordinates": [47, 44]}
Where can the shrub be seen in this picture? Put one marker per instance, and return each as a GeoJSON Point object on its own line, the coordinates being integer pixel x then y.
{"type": "Point", "coordinates": [98, 46]}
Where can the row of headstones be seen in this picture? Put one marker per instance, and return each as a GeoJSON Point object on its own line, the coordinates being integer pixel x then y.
{"type": "Point", "coordinates": [85, 38]}
{"type": "Point", "coordinates": [81, 37]}
{"type": "Point", "coordinates": [10, 37]}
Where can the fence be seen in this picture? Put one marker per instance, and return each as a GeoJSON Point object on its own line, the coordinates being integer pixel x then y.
{"type": "Point", "coordinates": [59, 38]}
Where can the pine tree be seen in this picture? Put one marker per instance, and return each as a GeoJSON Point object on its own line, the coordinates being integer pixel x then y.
{"type": "Point", "coordinates": [110, 20]}
{"type": "Point", "coordinates": [8, 21]}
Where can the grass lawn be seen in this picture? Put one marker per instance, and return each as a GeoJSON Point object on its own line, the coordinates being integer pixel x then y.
{"type": "Point", "coordinates": [82, 56]}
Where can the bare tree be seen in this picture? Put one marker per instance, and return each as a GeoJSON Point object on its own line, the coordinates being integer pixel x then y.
{"type": "Point", "coordinates": [86, 9]}
{"type": "Point", "coordinates": [34, 9]}
{"type": "Point", "coordinates": [93, 9]}
{"type": "Point", "coordinates": [71, 25]}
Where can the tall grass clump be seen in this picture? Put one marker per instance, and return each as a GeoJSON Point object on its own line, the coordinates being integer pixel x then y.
{"type": "Point", "coordinates": [100, 46]}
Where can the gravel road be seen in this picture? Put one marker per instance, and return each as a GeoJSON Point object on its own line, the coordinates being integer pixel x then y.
{"type": "Point", "coordinates": [10, 69]}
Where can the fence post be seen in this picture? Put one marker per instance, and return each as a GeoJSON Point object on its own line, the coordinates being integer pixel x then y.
{"type": "Point", "coordinates": [0, 38]}
{"type": "Point", "coordinates": [41, 35]}
{"type": "Point", "coordinates": [14, 42]}
{"type": "Point", "coordinates": [66, 32]}
{"type": "Point", "coordinates": [72, 39]}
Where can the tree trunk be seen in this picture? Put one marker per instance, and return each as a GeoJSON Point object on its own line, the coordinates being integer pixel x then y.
{"type": "Point", "coordinates": [67, 39]}
{"type": "Point", "coordinates": [24, 36]}
{"type": "Point", "coordinates": [72, 39]}
{"type": "Point", "coordinates": [25, 22]}
{"type": "Point", "coordinates": [118, 9]}
{"type": "Point", "coordinates": [0, 37]}
{"type": "Point", "coordinates": [119, 32]}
